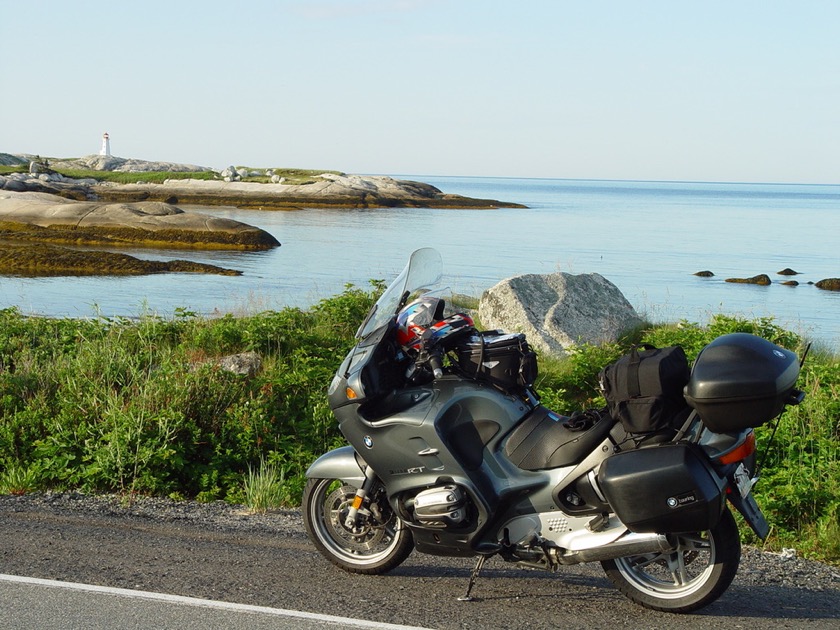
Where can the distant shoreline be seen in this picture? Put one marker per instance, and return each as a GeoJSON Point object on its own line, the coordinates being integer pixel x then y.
{"type": "Point", "coordinates": [278, 197]}
{"type": "Point", "coordinates": [108, 178]}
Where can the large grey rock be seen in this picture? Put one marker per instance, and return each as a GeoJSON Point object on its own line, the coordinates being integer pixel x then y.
{"type": "Point", "coordinates": [7, 159]}
{"type": "Point", "coordinates": [244, 363]}
{"type": "Point", "coordinates": [128, 165]}
{"type": "Point", "coordinates": [47, 182]}
{"type": "Point", "coordinates": [558, 311]}
{"type": "Point", "coordinates": [12, 184]}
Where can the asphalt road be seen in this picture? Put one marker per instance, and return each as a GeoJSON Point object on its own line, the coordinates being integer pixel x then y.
{"type": "Point", "coordinates": [33, 603]}
{"type": "Point", "coordinates": [267, 561]}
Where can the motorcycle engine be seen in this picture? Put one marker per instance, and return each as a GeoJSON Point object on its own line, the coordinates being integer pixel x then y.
{"type": "Point", "coordinates": [442, 506]}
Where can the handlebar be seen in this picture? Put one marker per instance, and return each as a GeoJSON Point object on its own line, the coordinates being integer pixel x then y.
{"type": "Point", "coordinates": [436, 364]}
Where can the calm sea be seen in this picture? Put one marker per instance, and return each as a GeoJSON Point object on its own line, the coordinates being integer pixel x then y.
{"type": "Point", "coordinates": [648, 238]}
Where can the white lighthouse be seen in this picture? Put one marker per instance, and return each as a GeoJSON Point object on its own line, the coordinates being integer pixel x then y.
{"type": "Point", "coordinates": [106, 145]}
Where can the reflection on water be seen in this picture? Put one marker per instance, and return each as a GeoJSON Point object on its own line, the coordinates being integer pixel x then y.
{"type": "Point", "coordinates": [646, 237]}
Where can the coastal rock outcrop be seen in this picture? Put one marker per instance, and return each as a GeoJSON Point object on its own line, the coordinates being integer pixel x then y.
{"type": "Point", "coordinates": [41, 260]}
{"type": "Point", "coordinates": [56, 219]}
{"type": "Point", "coordinates": [761, 279]}
{"type": "Point", "coordinates": [328, 189]}
{"type": "Point", "coordinates": [7, 159]}
{"type": "Point", "coordinates": [558, 311]}
{"type": "Point", "coordinates": [228, 188]}
{"type": "Point", "coordinates": [124, 165]}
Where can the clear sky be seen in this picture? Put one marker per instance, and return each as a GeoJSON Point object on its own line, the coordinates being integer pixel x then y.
{"type": "Point", "coordinates": [735, 90]}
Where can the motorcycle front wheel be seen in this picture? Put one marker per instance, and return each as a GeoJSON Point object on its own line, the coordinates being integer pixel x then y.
{"type": "Point", "coordinates": [694, 575]}
{"type": "Point", "coordinates": [377, 543]}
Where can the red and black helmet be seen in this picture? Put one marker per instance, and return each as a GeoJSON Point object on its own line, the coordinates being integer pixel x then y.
{"type": "Point", "coordinates": [423, 320]}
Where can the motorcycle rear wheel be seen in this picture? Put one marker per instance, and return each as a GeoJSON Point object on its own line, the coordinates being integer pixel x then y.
{"type": "Point", "coordinates": [693, 576]}
{"type": "Point", "coordinates": [379, 543]}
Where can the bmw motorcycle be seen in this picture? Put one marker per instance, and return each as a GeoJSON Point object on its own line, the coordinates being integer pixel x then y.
{"type": "Point", "coordinates": [451, 453]}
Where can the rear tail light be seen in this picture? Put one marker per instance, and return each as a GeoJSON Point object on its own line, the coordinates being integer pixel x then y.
{"type": "Point", "coordinates": [741, 452]}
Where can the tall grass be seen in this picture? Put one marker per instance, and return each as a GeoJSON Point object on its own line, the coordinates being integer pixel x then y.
{"type": "Point", "coordinates": [141, 406]}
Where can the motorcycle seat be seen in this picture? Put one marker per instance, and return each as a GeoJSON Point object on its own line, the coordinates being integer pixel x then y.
{"type": "Point", "coordinates": [544, 440]}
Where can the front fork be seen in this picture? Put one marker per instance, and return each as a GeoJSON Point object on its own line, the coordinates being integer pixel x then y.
{"type": "Point", "coordinates": [361, 501]}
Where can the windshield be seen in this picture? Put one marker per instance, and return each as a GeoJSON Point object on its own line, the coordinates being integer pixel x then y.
{"type": "Point", "coordinates": [423, 271]}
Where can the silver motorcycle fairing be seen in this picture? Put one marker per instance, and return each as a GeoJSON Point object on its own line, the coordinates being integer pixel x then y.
{"type": "Point", "coordinates": [340, 463]}
{"type": "Point", "coordinates": [427, 442]}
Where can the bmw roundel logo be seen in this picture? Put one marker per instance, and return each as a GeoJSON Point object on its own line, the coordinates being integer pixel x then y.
{"type": "Point", "coordinates": [672, 502]}
{"type": "Point", "coordinates": [368, 441]}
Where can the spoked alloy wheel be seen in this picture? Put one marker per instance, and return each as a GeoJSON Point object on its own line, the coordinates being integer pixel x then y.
{"type": "Point", "coordinates": [379, 542]}
{"type": "Point", "coordinates": [693, 576]}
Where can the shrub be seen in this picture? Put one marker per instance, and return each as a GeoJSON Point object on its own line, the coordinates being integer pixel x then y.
{"type": "Point", "coordinates": [141, 406]}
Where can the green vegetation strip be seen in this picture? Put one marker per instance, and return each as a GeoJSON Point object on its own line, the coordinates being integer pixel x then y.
{"type": "Point", "coordinates": [142, 406]}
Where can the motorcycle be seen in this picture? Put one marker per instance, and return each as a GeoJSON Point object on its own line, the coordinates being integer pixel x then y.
{"type": "Point", "coordinates": [451, 453]}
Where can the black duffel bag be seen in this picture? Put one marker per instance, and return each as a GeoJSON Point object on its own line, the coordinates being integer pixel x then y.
{"type": "Point", "coordinates": [644, 389]}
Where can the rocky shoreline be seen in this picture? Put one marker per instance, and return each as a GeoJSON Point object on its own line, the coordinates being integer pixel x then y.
{"type": "Point", "coordinates": [61, 213]}
{"type": "Point", "coordinates": [44, 234]}
{"type": "Point", "coordinates": [338, 191]}
{"type": "Point", "coordinates": [229, 188]}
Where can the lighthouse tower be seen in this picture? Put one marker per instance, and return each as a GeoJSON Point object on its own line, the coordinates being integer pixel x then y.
{"type": "Point", "coordinates": [106, 145]}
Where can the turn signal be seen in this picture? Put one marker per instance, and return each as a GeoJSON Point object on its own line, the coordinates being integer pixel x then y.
{"type": "Point", "coordinates": [351, 393]}
{"type": "Point", "coordinates": [742, 452]}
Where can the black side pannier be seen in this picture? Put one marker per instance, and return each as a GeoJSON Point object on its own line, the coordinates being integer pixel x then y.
{"type": "Point", "coordinates": [644, 389]}
{"type": "Point", "coordinates": [504, 360]}
{"type": "Point", "coordinates": [670, 488]}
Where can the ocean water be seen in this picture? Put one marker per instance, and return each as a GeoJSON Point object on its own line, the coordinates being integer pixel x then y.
{"type": "Point", "coordinates": [648, 238]}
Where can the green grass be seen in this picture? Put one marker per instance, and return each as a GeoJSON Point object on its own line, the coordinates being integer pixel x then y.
{"type": "Point", "coordinates": [291, 176]}
{"type": "Point", "coordinates": [8, 170]}
{"type": "Point", "coordinates": [140, 406]}
{"type": "Point", "coordinates": [150, 177]}
{"type": "Point", "coordinates": [265, 488]}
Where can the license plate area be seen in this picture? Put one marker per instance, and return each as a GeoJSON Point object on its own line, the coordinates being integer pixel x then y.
{"type": "Point", "coordinates": [742, 480]}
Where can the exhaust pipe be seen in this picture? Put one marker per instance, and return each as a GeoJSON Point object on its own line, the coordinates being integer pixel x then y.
{"type": "Point", "coordinates": [629, 545]}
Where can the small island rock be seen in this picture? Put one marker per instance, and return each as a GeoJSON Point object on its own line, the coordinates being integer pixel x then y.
{"type": "Point", "coordinates": [761, 279]}
{"type": "Point", "coordinates": [829, 284]}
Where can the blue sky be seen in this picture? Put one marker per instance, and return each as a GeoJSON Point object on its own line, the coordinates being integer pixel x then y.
{"type": "Point", "coordinates": [709, 91]}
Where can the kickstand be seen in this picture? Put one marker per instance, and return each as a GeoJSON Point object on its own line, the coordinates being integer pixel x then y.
{"type": "Point", "coordinates": [466, 597]}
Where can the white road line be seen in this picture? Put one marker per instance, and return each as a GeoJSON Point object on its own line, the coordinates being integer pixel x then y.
{"type": "Point", "coordinates": [204, 603]}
